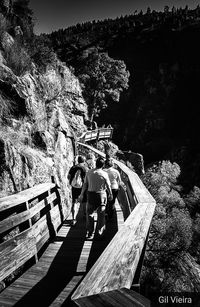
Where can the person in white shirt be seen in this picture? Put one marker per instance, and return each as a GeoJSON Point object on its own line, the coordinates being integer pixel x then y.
{"type": "Point", "coordinates": [91, 161]}
{"type": "Point", "coordinates": [96, 183]}
{"type": "Point", "coordinates": [115, 180]}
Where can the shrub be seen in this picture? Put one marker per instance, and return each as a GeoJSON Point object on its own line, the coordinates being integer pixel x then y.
{"type": "Point", "coordinates": [41, 53]}
{"type": "Point", "coordinates": [44, 57]}
{"type": "Point", "coordinates": [17, 59]}
{"type": "Point", "coordinates": [3, 25]}
{"type": "Point", "coordinates": [192, 201]}
{"type": "Point", "coordinates": [171, 233]}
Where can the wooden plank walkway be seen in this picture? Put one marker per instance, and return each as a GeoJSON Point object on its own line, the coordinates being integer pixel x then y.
{"type": "Point", "coordinates": [53, 279]}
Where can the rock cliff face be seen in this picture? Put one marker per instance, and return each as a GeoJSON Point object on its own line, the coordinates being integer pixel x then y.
{"type": "Point", "coordinates": [40, 116]}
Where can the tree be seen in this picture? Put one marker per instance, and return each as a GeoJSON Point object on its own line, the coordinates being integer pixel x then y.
{"type": "Point", "coordinates": [148, 11]}
{"type": "Point", "coordinates": [103, 79]}
{"type": "Point", "coordinates": [192, 201]}
{"type": "Point", "coordinates": [166, 9]}
{"type": "Point", "coordinates": [41, 52]}
{"type": "Point", "coordinates": [171, 232]}
{"type": "Point", "coordinates": [23, 17]}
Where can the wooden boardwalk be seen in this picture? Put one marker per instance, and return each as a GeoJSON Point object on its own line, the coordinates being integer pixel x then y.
{"type": "Point", "coordinates": [53, 279]}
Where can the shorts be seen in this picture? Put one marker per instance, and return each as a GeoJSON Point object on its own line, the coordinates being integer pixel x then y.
{"type": "Point", "coordinates": [75, 193]}
{"type": "Point", "coordinates": [95, 200]}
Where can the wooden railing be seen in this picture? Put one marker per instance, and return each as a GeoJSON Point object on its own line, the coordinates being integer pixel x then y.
{"type": "Point", "coordinates": [27, 220]}
{"type": "Point", "coordinates": [119, 265]}
{"type": "Point", "coordinates": [98, 134]}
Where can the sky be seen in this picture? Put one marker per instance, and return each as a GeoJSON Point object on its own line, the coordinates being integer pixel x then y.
{"type": "Point", "coordinates": [51, 15]}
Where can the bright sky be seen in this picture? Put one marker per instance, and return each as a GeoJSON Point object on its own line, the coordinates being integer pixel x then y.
{"type": "Point", "coordinates": [52, 15]}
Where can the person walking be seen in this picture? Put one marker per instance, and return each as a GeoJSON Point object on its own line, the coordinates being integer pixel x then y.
{"type": "Point", "coordinates": [76, 178]}
{"type": "Point", "coordinates": [96, 183]}
{"type": "Point", "coordinates": [115, 180]}
{"type": "Point", "coordinates": [91, 161]}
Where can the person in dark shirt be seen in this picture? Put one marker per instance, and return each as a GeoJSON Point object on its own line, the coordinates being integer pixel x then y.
{"type": "Point", "coordinates": [76, 178]}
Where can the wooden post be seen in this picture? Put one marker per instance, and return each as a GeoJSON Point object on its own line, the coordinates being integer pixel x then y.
{"type": "Point", "coordinates": [52, 229]}
{"type": "Point", "coordinates": [136, 281]}
{"type": "Point", "coordinates": [111, 133]}
{"type": "Point", "coordinates": [35, 257]}
{"type": "Point", "coordinates": [97, 139]}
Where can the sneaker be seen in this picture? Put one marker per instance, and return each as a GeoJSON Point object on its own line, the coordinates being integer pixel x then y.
{"type": "Point", "coordinates": [89, 235]}
{"type": "Point", "coordinates": [73, 222]}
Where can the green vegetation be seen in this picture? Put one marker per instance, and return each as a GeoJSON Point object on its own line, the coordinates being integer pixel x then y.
{"type": "Point", "coordinates": [17, 59]}
{"type": "Point", "coordinates": [174, 232]}
{"type": "Point", "coordinates": [20, 46]}
{"type": "Point", "coordinates": [40, 52]}
{"type": "Point", "coordinates": [157, 116]}
{"type": "Point", "coordinates": [103, 78]}
{"type": "Point", "coordinates": [161, 53]}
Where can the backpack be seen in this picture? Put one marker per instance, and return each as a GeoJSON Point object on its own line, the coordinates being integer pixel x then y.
{"type": "Point", "coordinates": [77, 181]}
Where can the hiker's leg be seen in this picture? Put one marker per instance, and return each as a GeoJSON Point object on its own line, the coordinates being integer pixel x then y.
{"type": "Point", "coordinates": [101, 220]}
{"type": "Point", "coordinates": [111, 203]}
{"type": "Point", "coordinates": [75, 208]}
{"type": "Point", "coordinates": [89, 218]}
{"type": "Point", "coordinates": [101, 215]}
{"type": "Point", "coordinates": [75, 203]}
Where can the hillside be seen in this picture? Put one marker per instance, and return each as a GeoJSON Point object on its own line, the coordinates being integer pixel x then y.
{"type": "Point", "coordinates": [41, 112]}
{"type": "Point", "coordinates": [158, 115]}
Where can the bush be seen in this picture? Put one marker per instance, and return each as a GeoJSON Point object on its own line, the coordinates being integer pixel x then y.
{"type": "Point", "coordinates": [41, 53]}
{"type": "Point", "coordinates": [44, 57]}
{"type": "Point", "coordinates": [17, 59]}
{"type": "Point", "coordinates": [171, 232]}
{"type": "Point", "coordinates": [3, 25]}
{"type": "Point", "coordinates": [192, 201]}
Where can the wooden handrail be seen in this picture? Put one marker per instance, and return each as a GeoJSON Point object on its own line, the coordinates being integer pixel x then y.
{"type": "Point", "coordinates": [116, 267]}
{"type": "Point", "coordinates": [23, 196]}
{"type": "Point", "coordinates": [97, 134]}
{"type": "Point", "coordinates": [27, 220]}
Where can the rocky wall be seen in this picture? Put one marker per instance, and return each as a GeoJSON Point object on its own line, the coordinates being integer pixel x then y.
{"type": "Point", "coordinates": [38, 143]}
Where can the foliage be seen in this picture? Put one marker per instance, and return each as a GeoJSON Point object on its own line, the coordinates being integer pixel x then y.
{"type": "Point", "coordinates": [23, 17]}
{"type": "Point", "coordinates": [21, 8]}
{"type": "Point", "coordinates": [17, 59]}
{"type": "Point", "coordinates": [195, 248]}
{"type": "Point", "coordinates": [41, 53]}
{"type": "Point", "coordinates": [108, 148]}
{"type": "Point", "coordinates": [103, 78]}
{"type": "Point", "coordinates": [70, 42]}
{"type": "Point", "coordinates": [164, 82]}
{"type": "Point", "coordinates": [171, 231]}
{"type": "Point", "coordinates": [172, 219]}
{"type": "Point", "coordinates": [192, 201]}
{"type": "Point", "coordinates": [162, 178]}
{"type": "Point", "coordinates": [3, 25]}
{"type": "Point", "coordinates": [27, 46]}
